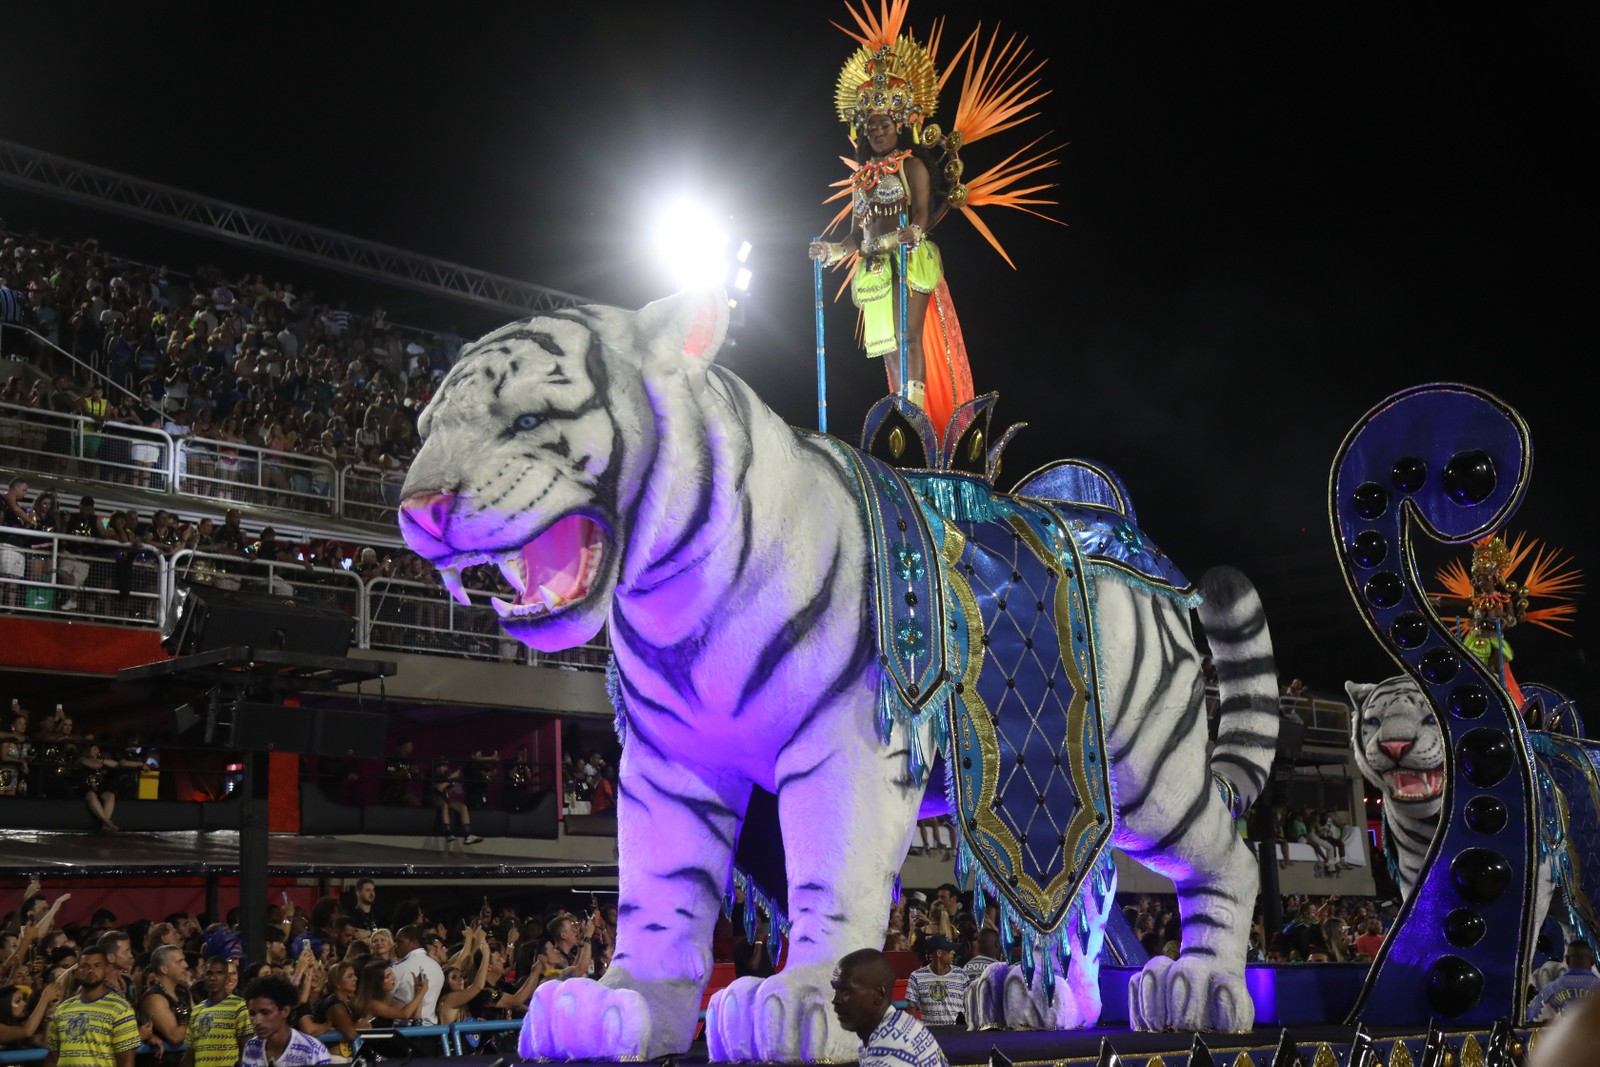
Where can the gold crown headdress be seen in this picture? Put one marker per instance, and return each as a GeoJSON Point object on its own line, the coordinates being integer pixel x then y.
{"type": "Point", "coordinates": [897, 80]}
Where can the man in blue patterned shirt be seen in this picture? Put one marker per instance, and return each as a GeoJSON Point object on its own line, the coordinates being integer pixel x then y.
{"type": "Point", "coordinates": [939, 990]}
{"type": "Point", "coordinates": [863, 987]}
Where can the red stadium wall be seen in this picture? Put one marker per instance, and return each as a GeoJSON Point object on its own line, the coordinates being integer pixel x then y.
{"type": "Point", "coordinates": [38, 644]}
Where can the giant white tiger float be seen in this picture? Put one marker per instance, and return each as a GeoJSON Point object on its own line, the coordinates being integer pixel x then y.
{"type": "Point", "coordinates": [835, 628]}
{"type": "Point", "coordinates": [793, 615]}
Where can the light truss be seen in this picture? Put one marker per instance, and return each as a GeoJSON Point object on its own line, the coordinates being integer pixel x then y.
{"type": "Point", "coordinates": [163, 205]}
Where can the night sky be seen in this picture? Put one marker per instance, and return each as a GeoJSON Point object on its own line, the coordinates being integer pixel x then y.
{"type": "Point", "coordinates": [1275, 218]}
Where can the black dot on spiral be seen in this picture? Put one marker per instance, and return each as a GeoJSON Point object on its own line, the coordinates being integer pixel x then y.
{"type": "Point", "coordinates": [1441, 665]}
{"type": "Point", "coordinates": [1409, 474]}
{"type": "Point", "coordinates": [1454, 986]}
{"type": "Point", "coordinates": [1369, 549]}
{"type": "Point", "coordinates": [1469, 478]}
{"type": "Point", "coordinates": [1409, 630]}
{"type": "Point", "coordinates": [1486, 756]}
{"type": "Point", "coordinates": [1384, 590]}
{"type": "Point", "coordinates": [1468, 701]}
{"type": "Point", "coordinates": [1486, 815]}
{"type": "Point", "coordinates": [1370, 500]}
{"type": "Point", "coordinates": [1481, 875]}
{"type": "Point", "coordinates": [1464, 928]}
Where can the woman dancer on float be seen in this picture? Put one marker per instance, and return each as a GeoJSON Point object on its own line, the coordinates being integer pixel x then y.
{"type": "Point", "coordinates": [892, 182]}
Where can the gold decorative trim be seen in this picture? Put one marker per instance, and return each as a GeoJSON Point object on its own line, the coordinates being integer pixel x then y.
{"type": "Point", "coordinates": [1325, 1056]}
{"type": "Point", "coordinates": [976, 718]}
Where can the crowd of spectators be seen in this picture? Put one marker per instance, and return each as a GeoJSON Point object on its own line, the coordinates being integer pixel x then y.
{"type": "Point", "coordinates": [50, 757]}
{"type": "Point", "coordinates": [485, 779]}
{"type": "Point", "coordinates": [348, 970]}
{"type": "Point", "coordinates": [110, 556]}
{"type": "Point", "coordinates": [232, 360]}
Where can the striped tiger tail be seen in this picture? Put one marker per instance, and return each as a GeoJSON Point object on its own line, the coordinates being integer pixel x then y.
{"type": "Point", "coordinates": [1247, 680]}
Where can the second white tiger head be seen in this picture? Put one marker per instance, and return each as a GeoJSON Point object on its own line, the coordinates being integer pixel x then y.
{"type": "Point", "coordinates": [1398, 744]}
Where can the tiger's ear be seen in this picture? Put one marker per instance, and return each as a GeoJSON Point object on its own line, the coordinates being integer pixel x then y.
{"type": "Point", "coordinates": [684, 330]}
{"type": "Point", "coordinates": [1358, 693]}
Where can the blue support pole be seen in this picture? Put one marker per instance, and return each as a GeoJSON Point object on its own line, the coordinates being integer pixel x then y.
{"type": "Point", "coordinates": [905, 299]}
{"type": "Point", "coordinates": [822, 359]}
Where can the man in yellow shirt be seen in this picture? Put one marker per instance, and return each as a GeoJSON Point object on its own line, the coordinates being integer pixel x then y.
{"type": "Point", "coordinates": [219, 1026]}
{"type": "Point", "coordinates": [95, 1028]}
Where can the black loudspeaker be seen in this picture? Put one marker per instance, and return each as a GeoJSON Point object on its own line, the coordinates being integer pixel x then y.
{"type": "Point", "coordinates": [206, 619]}
{"type": "Point", "coordinates": [250, 727]}
{"type": "Point", "coordinates": [268, 728]}
{"type": "Point", "coordinates": [1291, 739]}
{"type": "Point", "coordinates": [356, 734]}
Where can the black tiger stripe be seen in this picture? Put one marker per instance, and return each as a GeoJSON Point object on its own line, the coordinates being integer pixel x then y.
{"type": "Point", "coordinates": [1191, 715]}
{"type": "Point", "coordinates": [800, 776]}
{"type": "Point", "coordinates": [1191, 815]}
{"type": "Point", "coordinates": [1198, 950]}
{"type": "Point", "coordinates": [1237, 735]}
{"type": "Point", "coordinates": [789, 635]}
{"type": "Point", "coordinates": [700, 877]}
{"type": "Point", "coordinates": [705, 497]}
{"type": "Point", "coordinates": [1206, 889]}
{"type": "Point", "coordinates": [1247, 669]}
{"type": "Point", "coordinates": [674, 663]}
{"type": "Point", "coordinates": [1201, 918]}
{"type": "Point", "coordinates": [1255, 775]}
{"type": "Point", "coordinates": [861, 659]}
{"type": "Point", "coordinates": [1416, 837]}
{"type": "Point", "coordinates": [1236, 631]}
{"type": "Point", "coordinates": [707, 811]}
{"type": "Point", "coordinates": [630, 514]}
{"type": "Point", "coordinates": [637, 701]}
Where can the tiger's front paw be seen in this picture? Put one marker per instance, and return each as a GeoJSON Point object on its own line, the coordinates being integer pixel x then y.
{"type": "Point", "coordinates": [1001, 999]}
{"type": "Point", "coordinates": [787, 1018]}
{"type": "Point", "coordinates": [1191, 994]}
{"type": "Point", "coordinates": [615, 1018]}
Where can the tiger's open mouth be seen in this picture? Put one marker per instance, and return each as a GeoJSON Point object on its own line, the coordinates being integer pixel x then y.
{"type": "Point", "coordinates": [1416, 785]}
{"type": "Point", "coordinates": [554, 571]}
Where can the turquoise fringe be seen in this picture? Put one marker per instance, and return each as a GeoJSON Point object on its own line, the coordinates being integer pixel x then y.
{"type": "Point", "coordinates": [960, 498]}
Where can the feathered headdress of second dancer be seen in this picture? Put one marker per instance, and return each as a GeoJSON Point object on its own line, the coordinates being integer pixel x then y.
{"type": "Point", "coordinates": [891, 73]}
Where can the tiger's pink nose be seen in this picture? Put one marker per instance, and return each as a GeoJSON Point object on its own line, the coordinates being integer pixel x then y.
{"type": "Point", "coordinates": [1396, 749]}
{"type": "Point", "coordinates": [430, 511]}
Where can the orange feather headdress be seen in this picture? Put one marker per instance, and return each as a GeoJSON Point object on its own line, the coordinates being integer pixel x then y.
{"type": "Point", "coordinates": [891, 72]}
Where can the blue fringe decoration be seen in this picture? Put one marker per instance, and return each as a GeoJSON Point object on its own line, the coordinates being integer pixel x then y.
{"type": "Point", "coordinates": [1100, 570]}
{"type": "Point", "coordinates": [619, 721]}
{"type": "Point", "coordinates": [755, 900]}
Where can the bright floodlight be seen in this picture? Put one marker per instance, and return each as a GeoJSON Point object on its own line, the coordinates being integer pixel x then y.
{"type": "Point", "coordinates": [741, 281]}
{"type": "Point", "coordinates": [692, 245]}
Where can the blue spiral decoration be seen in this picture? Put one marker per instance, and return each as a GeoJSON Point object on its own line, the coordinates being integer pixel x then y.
{"type": "Point", "coordinates": [1451, 462]}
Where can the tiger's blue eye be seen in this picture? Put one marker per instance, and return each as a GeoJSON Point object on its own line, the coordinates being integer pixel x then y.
{"type": "Point", "coordinates": [526, 421]}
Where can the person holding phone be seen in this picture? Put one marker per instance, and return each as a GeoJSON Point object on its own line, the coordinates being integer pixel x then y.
{"type": "Point", "coordinates": [416, 964]}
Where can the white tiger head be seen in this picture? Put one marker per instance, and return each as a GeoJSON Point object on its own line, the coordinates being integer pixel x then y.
{"type": "Point", "coordinates": [538, 451]}
{"type": "Point", "coordinates": [1398, 744]}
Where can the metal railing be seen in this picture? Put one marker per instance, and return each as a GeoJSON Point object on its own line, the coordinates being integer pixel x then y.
{"type": "Point", "coordinates": [231, 470]}
{"type": "Point", "coordinates": [1327, 722]}
{"type": "Point", "coordinates": [322, 586]}
{"type": "Point", "coordinates": [83, 449]}
{"type": "Point", "coordinates": [100, 580]}
{"type": "Point", "coordinates": [407, 616]}
{"type": "Point", "coordinates": [370, 495]}
{"type": "Point", "coordinates": [55, 444]}
{"type": "Point", "coordinates": [86, 579]}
